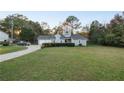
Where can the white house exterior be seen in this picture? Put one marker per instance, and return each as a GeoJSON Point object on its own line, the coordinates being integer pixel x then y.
{"type": "Point", "coordinates": [46, 39]}
{"type": "Point", "coordinates": [65, 37]}
{"type": "Point", "coordinates": [79, 40]}
{"type": "Point", "coordinates": [3, 36]}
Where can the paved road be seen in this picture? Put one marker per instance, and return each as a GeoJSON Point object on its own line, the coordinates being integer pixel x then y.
{"type": "Point", "coordinates": [12, 55]}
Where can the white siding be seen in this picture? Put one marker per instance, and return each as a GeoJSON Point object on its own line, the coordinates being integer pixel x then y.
{"type": "Point", "coordinates": [67, 31]}
{"type": "Point", "coordinates": [40, 42]}
{"type": "Point", "coordinates": [62, 41]}
{"type": "Point", "coordinates": [77, 42]}
{"type": "Point", "coordinates": [84, 42]}
{"type": "Point", "coordinates": [3, 36]}
{"type": "Point", "coordinates": [57, 38]}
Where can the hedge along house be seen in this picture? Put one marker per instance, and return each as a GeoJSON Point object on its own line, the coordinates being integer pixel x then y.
{"type": "Point", "coordinates": [65, 37]}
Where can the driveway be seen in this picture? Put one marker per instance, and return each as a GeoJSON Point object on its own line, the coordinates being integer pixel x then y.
{"type": "Point", "coordinates": [12, 55]}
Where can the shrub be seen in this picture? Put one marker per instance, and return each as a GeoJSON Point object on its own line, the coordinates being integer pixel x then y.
{"type": "Point", "coordinates": [42, 46]}
{"type": "Point", "coordinates": [6, 43]}
{"type": "Point", "coordinates": [57, 45]}
{"type": "Point", "coordinates": [80, 44]}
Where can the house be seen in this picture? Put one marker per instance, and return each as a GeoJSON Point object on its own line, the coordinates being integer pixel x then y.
{"type": "Point", "coordinates": [65, 37]}
{"type": "Point", "coordinates": [3, 36]}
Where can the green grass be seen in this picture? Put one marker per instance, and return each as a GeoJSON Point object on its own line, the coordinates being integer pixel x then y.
{"type": "Point", "coordinates": [69, 63]}
{"type": "Point", "coordinates": [11, 48]}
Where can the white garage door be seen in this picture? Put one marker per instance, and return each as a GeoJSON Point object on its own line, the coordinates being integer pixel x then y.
{"type": "Point", "coordinates": [40, 42]}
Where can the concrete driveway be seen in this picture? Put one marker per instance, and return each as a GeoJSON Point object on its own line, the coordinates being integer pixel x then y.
{"type": "Point", "coordinates": [12, 55]}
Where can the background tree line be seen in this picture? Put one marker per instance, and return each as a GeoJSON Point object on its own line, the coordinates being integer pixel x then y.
{"type": "Point", "coordinates": [23, 28]}
{"type": "Point", "coordinates": [111, 34]}
{"type": "Point", "coordinates": [28, 30]}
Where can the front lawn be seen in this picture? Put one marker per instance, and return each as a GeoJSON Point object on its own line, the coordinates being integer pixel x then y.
{"type": "Point", "coordinates": [67, 63]}
{"type": "Point", "coordinates": [11, 48]}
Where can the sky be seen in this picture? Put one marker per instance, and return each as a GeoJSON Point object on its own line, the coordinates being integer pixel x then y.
{"type": "Point", "coordinates": [53, 18]}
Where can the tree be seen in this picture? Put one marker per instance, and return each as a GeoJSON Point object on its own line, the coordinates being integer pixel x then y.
{"type": "Point", "coordinates": [117, 28]}
{"type": "Point", "coordinates": [46, 28]}
{"type": "Point", "coordinates": [21, 23]}
{"type": "Point", "coordinates": [58, 29]}
{"type": "Point", "coordinates": [17, 20]}
{"type": "Point", "coordinates": [109, 39]}
{"type": "Point", "coordinates": [27, 35]}
{"type": "Point", "coordinates": [96, 31]}
{"type": "Point", "coordinates": [74, 22]}
{"type": "Point", "coordinates": [111, 34]}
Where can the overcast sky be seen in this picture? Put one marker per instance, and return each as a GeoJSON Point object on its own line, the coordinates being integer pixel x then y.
{"type": "Point", "coordinates": [53, 18]}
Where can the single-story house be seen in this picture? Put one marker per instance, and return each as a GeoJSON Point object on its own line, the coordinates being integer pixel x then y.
{"type": "Point", "coordinates": [65, 37]}
{"type": "Point", "coordinates": [76, 39]}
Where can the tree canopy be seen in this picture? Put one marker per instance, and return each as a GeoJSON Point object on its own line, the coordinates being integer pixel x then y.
{"type": "Point", "coordinates": [74, 22]}
{"type": "Point", "coordinates": [110, 34]}
{"type": "Point", "coordinates": [23, 24]}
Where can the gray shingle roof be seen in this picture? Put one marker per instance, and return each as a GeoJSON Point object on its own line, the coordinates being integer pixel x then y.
{"type": "Point", "coordinates": [46, 37]}
{"type": "Point", "coordinates": [78, 36]}
{"type": "Point", "coordinates": [62, 37]}
{"type": "Point", "coordinates": [75, 37]}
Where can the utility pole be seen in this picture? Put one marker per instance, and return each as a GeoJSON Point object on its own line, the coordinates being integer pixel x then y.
{"type": "Point", "coordinates": [12, 29]}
